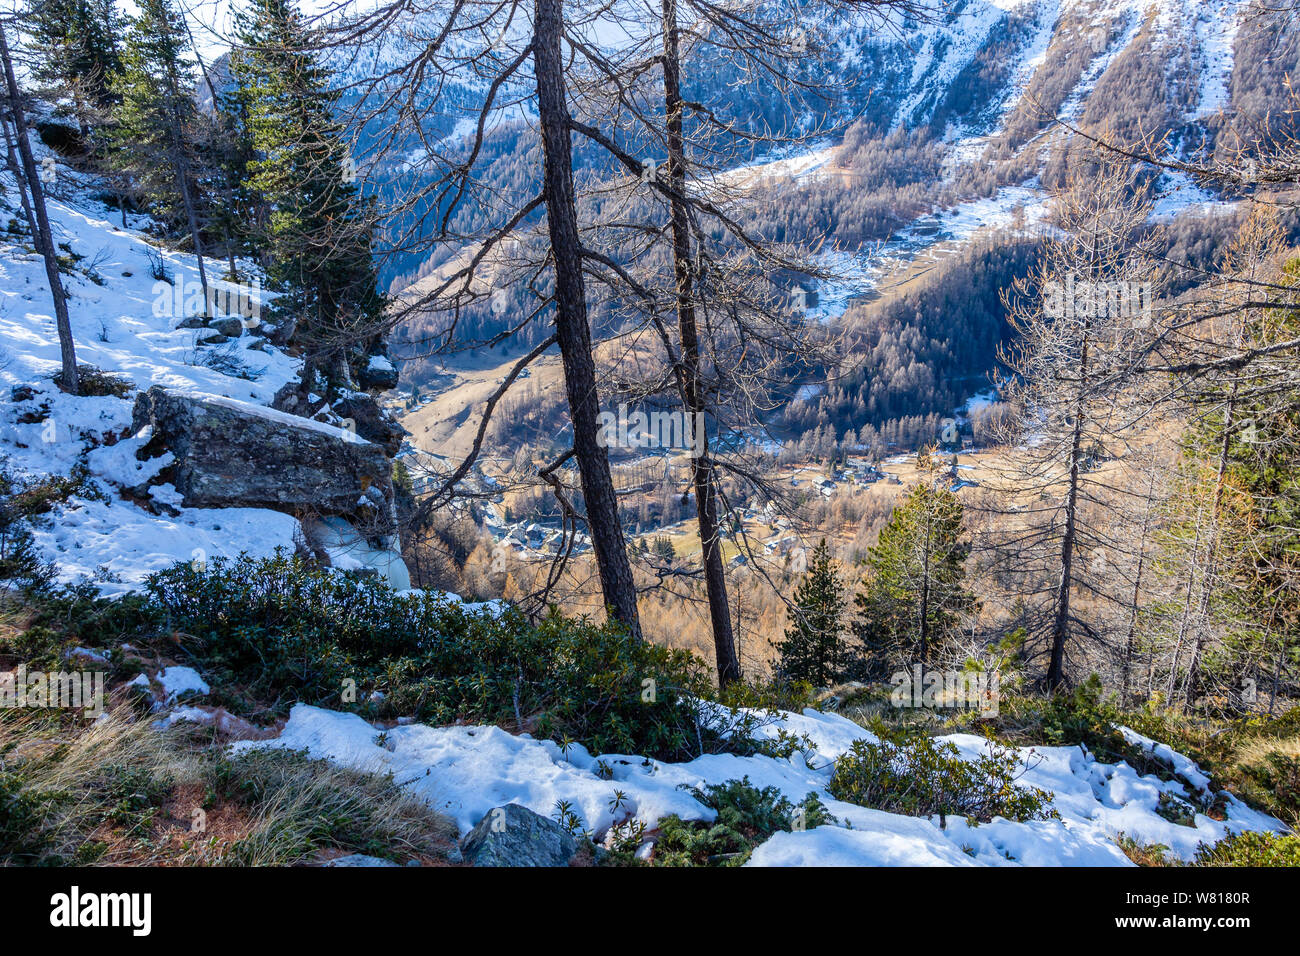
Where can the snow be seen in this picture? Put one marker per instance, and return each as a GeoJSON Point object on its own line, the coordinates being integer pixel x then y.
{"type": "Point", "coordinates": [122, 325]}
{"type": "Point", "coordinates": [179, 680]}
{"type": "Point", "coordinates": [175, 681]}
{"type": "Point", "coordinates": [861, 272]}
{"type": "Point", "coordinates": [118, 544]}
{"type": "Point", "coordinates": [465, 771]}
{"type": "Point", "coordinates": [349, 550]}
{"type": "Point", "coordinates": [885, 840]}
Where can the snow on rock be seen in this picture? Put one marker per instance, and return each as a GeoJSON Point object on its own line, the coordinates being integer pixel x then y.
{"type": "Point", "coordinates": [465, 771]}
{"type": "Point", "coordinates": [125, 322]}
{"type": "Point", "coordinates": [175, 681]}
{"type": "Point", "coordinates": [180, 680]}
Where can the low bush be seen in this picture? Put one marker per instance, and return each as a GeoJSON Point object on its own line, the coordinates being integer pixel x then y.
{"type": "Point", "coordinates": [1252, 849]}
{"type": "Point", "coordinates": [747, 816]}
{"type": "Point", "coordinates": [272, 632]}
{"type": "Point", "coordinates": [923, 777]}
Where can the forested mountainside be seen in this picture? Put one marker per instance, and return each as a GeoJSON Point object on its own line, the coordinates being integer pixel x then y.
{"type": "Point", "coordinates": [916, 118]}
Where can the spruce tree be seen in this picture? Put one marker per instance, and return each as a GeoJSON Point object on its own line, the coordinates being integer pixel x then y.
{"type": "Point", "coordinates": [75, 47]}
{"type": "Point", "coordinates": [158, 129]}
{"type": "Point", "coordinates": [914, 594]}
{"type": "Point", "coordinates": [813, 649]}
{"type": "Point", "coordinates": [314, 230]}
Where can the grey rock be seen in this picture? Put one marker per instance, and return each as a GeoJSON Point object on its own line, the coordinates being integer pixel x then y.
{"type": "Point", "coordinates": [230, 327]}
{"type": "Point", "coordinates": [371, 422]}
{"type": "Point", "coordinates": [233, 454]}
{"type": "Point", "coordinates": [516, 836]}
{"type": "Point", "coordinates": [376, 378]}
{"type": "Point", "coordinates": [280, 333]}
{"type": "Point", "coordinates": [359, 859]}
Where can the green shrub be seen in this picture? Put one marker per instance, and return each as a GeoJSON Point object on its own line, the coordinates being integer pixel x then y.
{"type": "Point", "coordinates": [746, 817]}
{"type": "Point", "coordinates": [269, 633]}
{"type": "Point", "coordinates": [1252, 849]}
{"type": "Point", "coordinates": [924, 777]}
{"type": "Point", "coordinates": [1277, 779]}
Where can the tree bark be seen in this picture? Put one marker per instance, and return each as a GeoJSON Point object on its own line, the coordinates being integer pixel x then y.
{"type": "Point", "coordinates": [181, 164]}
{"type": "Point", "coordinates": [573, 331]}
{"type": "Point", "coordinates": [724, 643]}
{"type": "Point", "coordinates": [1061, 623]}
{"type": "Point", "coordinates": [44, 237]}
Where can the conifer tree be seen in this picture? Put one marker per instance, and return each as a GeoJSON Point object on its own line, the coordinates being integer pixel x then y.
{"type": "Point", "coordinates": [314, 230]}
{"type": "Point", "coordinates": [914, 593]}
{"type": "Point", "coordinates": [813, 649]}
{"type": "Point", "coordinates": [75, 47]}
{"type": "Point", "coordinates": [158, 125]}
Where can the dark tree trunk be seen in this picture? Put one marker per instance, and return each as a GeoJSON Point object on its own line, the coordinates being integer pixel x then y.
{"type": "Point", "coordinates": [572, 328]}
{"type": "Point", "coordinates": [181, 164]}
{"type": "Point", "coordinates": [724, 643]}
{"type": "Point", "coordinates": [43, 238]}
{"type": "Point", "coordinates": [1061, 621]}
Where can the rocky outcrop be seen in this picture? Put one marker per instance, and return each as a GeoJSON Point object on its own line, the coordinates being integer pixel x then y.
{"type": "Point", "coordinates": [354, 411]}
{"type": "Point", "coordinates": [377, 374]}
{"type": "Point", "coordinates": [232, 454]}
{"type": "Point", "coordinates": [516, 836]}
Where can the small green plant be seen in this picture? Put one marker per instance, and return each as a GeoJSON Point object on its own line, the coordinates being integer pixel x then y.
{"type": "Point", "coordinates": [746, 816]}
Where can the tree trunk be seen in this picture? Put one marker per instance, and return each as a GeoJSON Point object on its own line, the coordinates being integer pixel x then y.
{"type": "Point", "coordinates": [11, 160]}
{"type": "Point", "coordinates": [1061, 621]}
{"type": "Point", "coordinates": [1192, 686]}
{"type": "Point", "coordinates": [44, 237]}
{"type": "Point", "coordinates": [573, 331]}
{"type": "Point", "coordinates": [724, 644]}
{"type": "Point", "coordinates": [1130, 635]}
{"type": "Point", "coordinates": [182, 166]}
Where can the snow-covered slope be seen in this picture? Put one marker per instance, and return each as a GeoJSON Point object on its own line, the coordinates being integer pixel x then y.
{"type": "Point", "coordinates": [465, 771]}
{"type": "Point", "coordinates": [125, 323]}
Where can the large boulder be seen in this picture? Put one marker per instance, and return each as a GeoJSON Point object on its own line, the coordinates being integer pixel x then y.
{"type": "Point", "coordinates": [516, 836]}
{"type": "Point", "coordinates": [233, 454]}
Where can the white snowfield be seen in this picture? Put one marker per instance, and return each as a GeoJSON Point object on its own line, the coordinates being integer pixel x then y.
{"type": "Point", "coordinates": [465, 771]}
{"type": "Point", "coordinates": [127, 327]}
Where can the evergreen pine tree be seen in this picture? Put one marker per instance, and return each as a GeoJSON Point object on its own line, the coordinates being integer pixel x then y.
{"type": "Point", "coordinates": [155, 139]}
{"type": "Point", "coordinates": [813, 649]}
{"type": "Point", "coordinates": [914, 592]}
{"type": "Point", "coordinates": [314, 230]}
{"type": "Point", "coordinates": [75, 47]}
